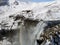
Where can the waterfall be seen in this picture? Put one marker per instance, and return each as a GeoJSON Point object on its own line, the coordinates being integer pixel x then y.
{"type": "Point", "coordinates": [31, 32]}
{"type": "Point", "coordinates": [38, 30]}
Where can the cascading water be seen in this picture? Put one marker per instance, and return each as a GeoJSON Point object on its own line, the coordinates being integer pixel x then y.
{"type": "Point", "coordinates": [38, 30]}
{"type": "Point", "coordinates": [31, 33]}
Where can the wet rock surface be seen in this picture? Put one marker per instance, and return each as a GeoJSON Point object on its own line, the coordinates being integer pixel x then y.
{"type": "Point", "coordinates": [51, 33]}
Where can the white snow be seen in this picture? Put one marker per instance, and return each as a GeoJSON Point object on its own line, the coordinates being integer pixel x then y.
{"type": "Point", "coordinates": [41, 11]}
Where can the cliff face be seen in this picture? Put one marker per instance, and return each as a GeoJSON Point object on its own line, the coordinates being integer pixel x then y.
{"type": "Point", "coordinates": [29, 22]}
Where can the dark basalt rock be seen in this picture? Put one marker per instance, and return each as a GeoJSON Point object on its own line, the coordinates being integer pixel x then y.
{"type": "Point", "coordinates": [40, 42]}
{"type": "Point", "coordinates": [52, 29]}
